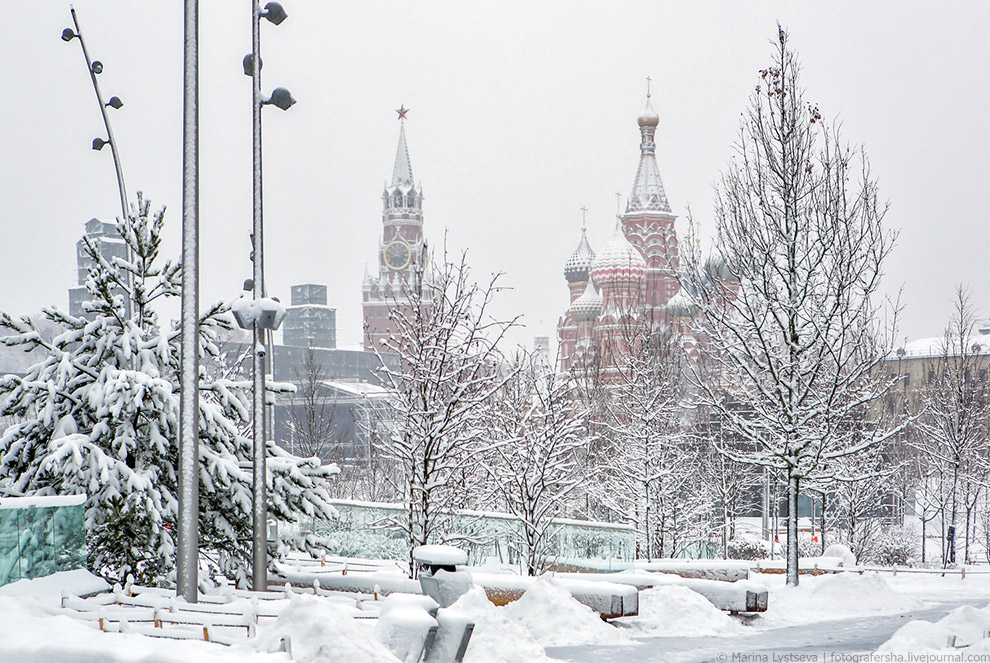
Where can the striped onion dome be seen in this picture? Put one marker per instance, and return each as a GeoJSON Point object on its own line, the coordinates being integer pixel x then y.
{"type": "Point", "coordinates": [578, 266]}
{"type": "Point", "coordinates": [588, 306]}
{"type": "Point", "coordinates": [619, 262]}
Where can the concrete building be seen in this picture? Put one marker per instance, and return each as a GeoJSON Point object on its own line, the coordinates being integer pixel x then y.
{"type": "Point", "coordinates": [104, 236]}
{"type": "Point", "coordinates": [309, 322]}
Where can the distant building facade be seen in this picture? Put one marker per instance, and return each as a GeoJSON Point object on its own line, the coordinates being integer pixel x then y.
{"type": "Point", "coordinates": [109, 243]}
{"type": "Point", "coordinates": [309, 322]}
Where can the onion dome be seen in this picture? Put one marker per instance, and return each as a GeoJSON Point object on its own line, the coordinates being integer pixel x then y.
{"type": "Point", "coordinates": [619, 262]}
{"type": "Point", "coordinates": [588, 306]}
{"type": "Point", "coordinates": [681, 306]}
{"type": "Point", "coordinates": [578, 266]}
{"type": "Point", "coordinates": [649, 117]}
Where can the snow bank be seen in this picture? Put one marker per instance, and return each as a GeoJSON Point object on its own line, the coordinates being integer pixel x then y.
{"type": "Point", "coordinates": [321, 631]}
{"type": "Point", "coordinates": [675, 610]}
{"type": "Point", "coordinates": [966, 625]}
{"type": "Point", "coordinates": [845, 592]}
{"type": "Point", "coordinates": [835, 596]}
{"type": "Point", "coordinates": [32, 635]}
{"type": "Point", "coordinates": [496, 638]}
{"type": "Point", "coordinates": [49, 589]}
{"type": "Point", "coordinates": [555, 618]}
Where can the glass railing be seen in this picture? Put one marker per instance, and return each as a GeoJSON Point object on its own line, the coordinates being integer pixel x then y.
{"type": "Point", "coordinates": [374, 530]}
{"type": "Point", "coordinates": [41, 535]}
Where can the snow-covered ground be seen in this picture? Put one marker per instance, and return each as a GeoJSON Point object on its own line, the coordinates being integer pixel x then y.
{"type": "Point", "coordinates": [844, 613]}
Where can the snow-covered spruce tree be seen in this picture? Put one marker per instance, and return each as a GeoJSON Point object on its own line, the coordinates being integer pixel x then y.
{"type": "Point", "coordinates": [448, 345]}
{"type": "Point", "coordinates": [799, 225]}
{"type": "Point", "coordinates": [535, 435]}
{"type": "Point", "coordinates": [952, 431]}
{"type": "Point", "coordinates": [99, 415]}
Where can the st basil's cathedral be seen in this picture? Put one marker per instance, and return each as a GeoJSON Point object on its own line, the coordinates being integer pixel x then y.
{"type": "Point", "coordinates": [633, 280]}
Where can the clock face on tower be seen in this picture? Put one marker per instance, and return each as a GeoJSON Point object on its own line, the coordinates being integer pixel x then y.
{"type": "Point", "coordinates": [397, 255]}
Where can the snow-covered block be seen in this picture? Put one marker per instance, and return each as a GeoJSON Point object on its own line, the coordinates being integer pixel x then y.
{"type": "Point", "coordinates": [607, 599]}
{"type": "Point", "coordinates": [846, 556]}
{"type": "Point", "coordinates": [406, 628]}
{"type": "Point", "coordinates": [738, 596]}
{"type": "Point", "coordinates": [445, 586]}
{"type": "Point", "coordinates": [439, 555]}
{"type": "Point", "coordinates": [382, 583]}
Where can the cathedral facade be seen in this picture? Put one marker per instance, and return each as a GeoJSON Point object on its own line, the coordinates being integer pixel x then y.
{"type": "Point", "coordinates": [402, 250]}
{"type": "Point", "coordinates": [633, 280]}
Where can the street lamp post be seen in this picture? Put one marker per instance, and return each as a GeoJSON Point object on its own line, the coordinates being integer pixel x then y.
{"type": "Point", "coordinates": [281, 98]}
{"type": "Point", "coordinates": [94, 68]}
{"type": "Point", "coordinates": [187, 558]}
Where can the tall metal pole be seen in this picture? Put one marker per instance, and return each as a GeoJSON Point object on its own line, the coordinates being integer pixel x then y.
{"type": "Point", "coordinates": [259, 575]}
{"type": "Point", "coordinates": [187, 563]}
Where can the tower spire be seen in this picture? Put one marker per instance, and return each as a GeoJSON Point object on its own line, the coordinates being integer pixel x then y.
{"type": "Point", "coordinates": [402, 170]}
{"type": "Point", "coordinates": [648, 193]}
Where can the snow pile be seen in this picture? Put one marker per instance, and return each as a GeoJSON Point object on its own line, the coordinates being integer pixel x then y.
{"type": "Point", "coordinates": [496, 638]}
{"type": "Point", "coordinates": [842, 552]}
{"type": "Point", "coordinates": [674, 610]}
{"type": "Point", "coordinates": [50, 589]}
{"type": "Point", "coordinates": [322, 632]}
{"type": "Point", "coordinates": [963, 627]}
{"type": "Point", "coordinates": [830, 597]}
{"type": "Point", "coordinates": [850, 592]}
{"type": "Point", "coordinates": [32, 635]}
{"type": "Point", "coordinates": [555, 618]}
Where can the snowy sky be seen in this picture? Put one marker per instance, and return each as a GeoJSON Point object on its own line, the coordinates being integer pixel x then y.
{"type": "Point", "coordinates": [522, 113]}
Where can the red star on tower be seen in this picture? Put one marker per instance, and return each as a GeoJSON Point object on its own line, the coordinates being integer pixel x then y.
{"type": "Point", "coordinates": [402, 110]}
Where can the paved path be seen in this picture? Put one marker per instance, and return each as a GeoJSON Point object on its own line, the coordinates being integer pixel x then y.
{"type": "Point", "coordinates": [845, 635]}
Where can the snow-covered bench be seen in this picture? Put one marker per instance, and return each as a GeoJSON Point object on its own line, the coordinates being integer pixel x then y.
{"type": "Point", "coordinates": [738, 596]}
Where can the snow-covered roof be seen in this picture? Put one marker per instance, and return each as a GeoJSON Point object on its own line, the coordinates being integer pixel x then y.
{"type": "Point", "coordinates": [357, 388]}
{"type": "Point", "coordinates": [935, 346]}
{"type": "Point", "coordinates": [45, 501]}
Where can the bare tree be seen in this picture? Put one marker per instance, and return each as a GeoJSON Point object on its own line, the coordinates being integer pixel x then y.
{"type": "Point", "coordinates": [312, 412]}
{"type": "Point", "coordinates": [800, 237]}
{"type": "Point", "coordinates": [447, 342]}
{"type": "Point", "coordinates": [537, 435]}
{"type": "Point", "coordinates": [952, 431]}
{"type": "Point", "coordinates": [645, 461]}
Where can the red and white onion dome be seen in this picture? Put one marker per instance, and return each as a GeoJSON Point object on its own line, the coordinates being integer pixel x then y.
{"type": "Point", "coordinates": [619, 262]}
{"type": "Point", "coordinates": [588, 306]}
{"type": "Point", "coordinates": [578, 266]}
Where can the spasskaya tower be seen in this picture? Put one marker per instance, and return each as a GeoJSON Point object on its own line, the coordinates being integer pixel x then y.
{"type": "Point", "coordinates": [402, 252]}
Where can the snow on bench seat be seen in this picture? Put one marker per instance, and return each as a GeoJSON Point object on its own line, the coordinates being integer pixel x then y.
{"type": "Point", "coordinates": [609, 600]}
{"type": "Point", "coordinates": [726, 570]}
{"type": "Point", "coordinates": [738, 596]}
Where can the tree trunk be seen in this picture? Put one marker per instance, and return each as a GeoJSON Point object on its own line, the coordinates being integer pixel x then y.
{"type": "Point", "coordinates": [823, 522]}
{"type": "Point", "coordinates": [792, 529]}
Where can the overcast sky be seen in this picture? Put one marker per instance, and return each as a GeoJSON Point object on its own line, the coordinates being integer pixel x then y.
{"type": "Point", "coordinates": [522, 112]}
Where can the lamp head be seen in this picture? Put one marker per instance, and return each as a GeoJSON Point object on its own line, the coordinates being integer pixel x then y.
{"type": "Point", "coordinates": [68, 34]}
{"type": "Point", "coordinates": [281, 98]}
{"type": "Point", "coordinates": [115, 103]}
{"type": "Point", "coordinates": [274, 13]}
{"type": "Point", "coordinates": [248, 64]}
{"type": "Point", "coordinates": [97, 67]}
{"type": "Point", "coordinates": [98, 144]}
